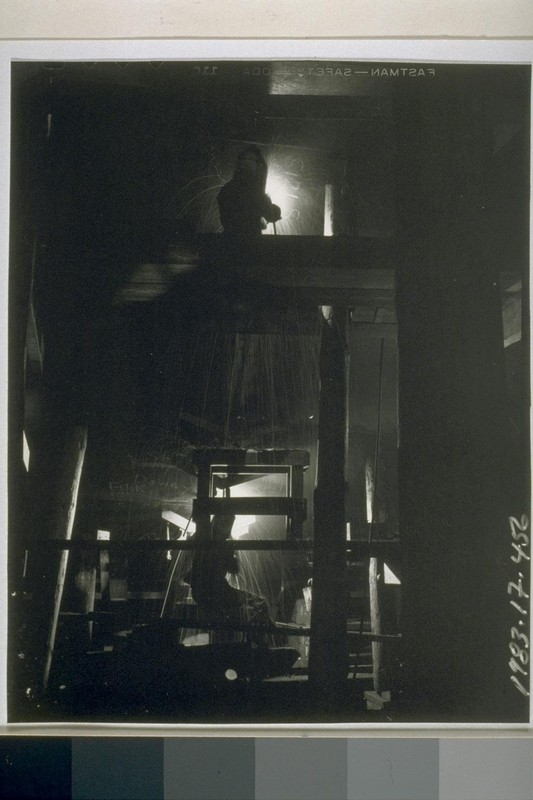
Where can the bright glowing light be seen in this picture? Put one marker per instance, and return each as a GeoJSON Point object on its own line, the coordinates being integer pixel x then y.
{"type": "Point", "coordinates": [369, 484]}
{"type": "Point", "coordinates": [282, 194]}
{"type": "Point", "coordinates": [186, 526]}
{"type": "Point", "coordinates": [196, 640]}
{"type": "Point", "coordinates": [25, 452]}
{"type": "Point", "coordinates": [308, 598]}
{"type": "Point", "coordinates": [390, 577]}
{"type": "Point", "coordinates": [242, 521]}
{"type": "Point", "coordinates": [241, 526]}
{"type": "Point", "coordinates": [231, 675]}
{"type": "Point", "coordinates": [328, 210]}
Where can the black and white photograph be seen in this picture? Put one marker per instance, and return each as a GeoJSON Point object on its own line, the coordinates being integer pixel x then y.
{"type": "Point", "coordinates": [269, 381]}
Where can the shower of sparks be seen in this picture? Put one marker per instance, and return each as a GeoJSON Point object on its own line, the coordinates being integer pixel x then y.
{"type": "Point", "coordinates": [296, 183]}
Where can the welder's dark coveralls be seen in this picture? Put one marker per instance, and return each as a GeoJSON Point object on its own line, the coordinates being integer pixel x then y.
{"type": "Point", "coordinates": [243, 204]}
{"type": "Point", "coordinates": [209, 586]}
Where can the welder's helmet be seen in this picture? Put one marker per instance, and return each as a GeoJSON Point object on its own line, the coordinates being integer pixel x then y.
{"type": "Point", "coordinates": [251, 162]}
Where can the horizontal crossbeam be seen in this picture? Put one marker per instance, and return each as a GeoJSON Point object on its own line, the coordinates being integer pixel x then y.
{"type": "Point", "coordinates": [224, 457]}
{"type": "Point", "coordinates": [258, 506]}
{"type": "Point", "coordinates": [377, 548]}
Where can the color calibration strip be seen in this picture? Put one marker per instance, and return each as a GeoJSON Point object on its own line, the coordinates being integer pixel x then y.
{"type": "Point", "coordinates": [217, 768]}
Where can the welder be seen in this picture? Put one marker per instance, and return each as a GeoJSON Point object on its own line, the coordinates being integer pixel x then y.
{"type": "Point", "coordinates": [244, 206]}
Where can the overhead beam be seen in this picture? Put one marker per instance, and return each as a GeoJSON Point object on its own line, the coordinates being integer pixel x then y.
{"type": "Point", "coordinates": [317, 269]}
{"type": "Point", "coordinates": [305, 261]}
{"type": "Point", "coordinates": [359, 550]}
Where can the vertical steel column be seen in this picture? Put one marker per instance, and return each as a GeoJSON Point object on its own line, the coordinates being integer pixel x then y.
{"type": "Point", "coordinates": [454, 459]}
{"type": "Point", "coordinates": [328, 647]}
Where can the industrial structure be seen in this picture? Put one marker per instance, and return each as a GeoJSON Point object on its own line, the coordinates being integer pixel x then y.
{"type": "Point", "coordinates": [350, 388]}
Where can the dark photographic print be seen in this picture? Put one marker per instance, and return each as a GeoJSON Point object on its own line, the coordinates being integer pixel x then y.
{"type": "Point", "coordinates": [269, 392]}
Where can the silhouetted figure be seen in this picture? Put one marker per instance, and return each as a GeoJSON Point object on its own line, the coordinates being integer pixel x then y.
{"type": "Point", "coordinates": [209, 585]}
{"type": "Point", "coordinates": [210, 590]}
{"type": "Point", "coordinates": [245, 208]}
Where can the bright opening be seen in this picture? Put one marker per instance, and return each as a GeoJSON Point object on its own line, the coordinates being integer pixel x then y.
{"type": "Point", "coordinates": [25, 452]}
{"type": "Point", "coordinates": [389, 576]}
